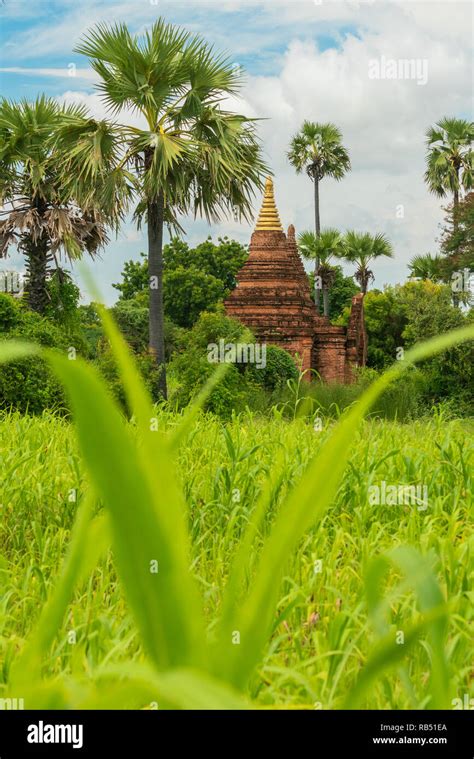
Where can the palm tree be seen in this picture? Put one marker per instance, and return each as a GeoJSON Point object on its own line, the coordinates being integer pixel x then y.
{"type": "Point", "coordinates": [427, 267]}
{"type": "Point", "coordinates": [192, 155]}
{"type": "Point", "coordinates": [329, 244]}
{"type": "Point", "coordinates": [450, 159]}
{"type": "Point", "coordinates": [40, 215]}
{"type": "Point", "coordinates": [361, 248]}
{"type": "Point", "coordinates": [318, 150]}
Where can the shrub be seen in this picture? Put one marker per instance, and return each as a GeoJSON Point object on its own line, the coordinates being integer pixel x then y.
{"type": "Point", "coordinates": [404, 400]}
{"type": "Point", "coordinates": [108, 368]}
{"type": "Point", "coordinates": [63, 299]}
{"type": "Point", "coordinates": [10, 312]}
{"type": "Point", "coordinates": [132, 317]}
{"type": "Point", "coordinates": [91, 328]}
{"type": "Point", "coordinates": [191, 366]}
{"type": "Point", "coordinates": [279, 368]}
{"type": "Point", "coordinates": [28, 385]}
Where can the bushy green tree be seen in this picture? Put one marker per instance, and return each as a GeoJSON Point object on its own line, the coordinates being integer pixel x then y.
{"type": "Point", "coordinates": [457, 242]}
{"type": "Point", "coordinates": [131, 316]}
{"type": "Point", "coordinates": [194, 279]}
{"type": "Point", "coordinates": [188, 292]}
{"type": "Point", "coordinates": [222, 260]}
{"type": "Point", "coordinates": [63, 297]}
{"type": "Point", "coordinates": [90, 327]}
{"type": "Point", "coordinates": [429, 312]}
{"type": "Point", "coordinates": [134, 278]}
{"type": "Point", "coordinates": [385, 319]}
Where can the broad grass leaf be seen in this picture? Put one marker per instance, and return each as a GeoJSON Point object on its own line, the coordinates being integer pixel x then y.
{"type": "Point", "coordinates": [173, 689]}
{"type": "Point", "coordinates": [147, 520]}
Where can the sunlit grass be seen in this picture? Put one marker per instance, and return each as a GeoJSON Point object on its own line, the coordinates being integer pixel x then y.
{"type": "Point", "coordinates": [323, 632]}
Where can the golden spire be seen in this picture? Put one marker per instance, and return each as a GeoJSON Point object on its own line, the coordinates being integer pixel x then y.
{"type": "Point", "coordinates": [269, 221]}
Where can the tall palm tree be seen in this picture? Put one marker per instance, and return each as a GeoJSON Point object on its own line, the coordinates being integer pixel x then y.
{"type": "Point", "coordinates": [361, 248]}
{"type": "Point", "coordinates": [38, 213]}
{"type": "Point", "coordinates": [318, 150]}
{"type": "Point", "coordinates": [427, 267]}
{"type": "Point", "coordinates": [450, 158]}
{"type": "Point", "coordinates": [192, 154]}
{"type": "Point", "coordinates": [329, 245]}
{"type": "Point", "coordinates": [441, 270]}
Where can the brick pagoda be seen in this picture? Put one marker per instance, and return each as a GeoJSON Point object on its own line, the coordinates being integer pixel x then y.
{"type": "Point", "coordinates": [273, 298]}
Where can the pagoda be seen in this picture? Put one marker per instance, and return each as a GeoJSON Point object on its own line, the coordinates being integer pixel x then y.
{"type": "Point", "coordinates": [273, 298]}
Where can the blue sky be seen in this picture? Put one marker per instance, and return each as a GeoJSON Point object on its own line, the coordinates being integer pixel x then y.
{"type": "Point", "coordinates": [304, 59]}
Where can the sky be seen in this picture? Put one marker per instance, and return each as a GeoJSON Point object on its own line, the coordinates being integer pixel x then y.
{"type": "Point", "coordinates": [383, 71]}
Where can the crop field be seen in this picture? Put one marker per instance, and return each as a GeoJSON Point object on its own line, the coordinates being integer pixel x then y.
{"type": "Point", "coordinates": [373, 606]}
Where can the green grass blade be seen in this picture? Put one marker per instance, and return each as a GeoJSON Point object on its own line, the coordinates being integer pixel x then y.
{"type": "Point", "coordinates": [388, 653]}
{"type": "Point", "coordinates": [419, 576]}
{"type": "Point", "coordinates": [174, 689]}
{"type": "Point", "coordinates": [146, 509]}
{"type": "Point", "coordinates": [430, 597]}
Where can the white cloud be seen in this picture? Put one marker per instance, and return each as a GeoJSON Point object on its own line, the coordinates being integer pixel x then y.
{"type": "Point", "coordinates": [71, 71]}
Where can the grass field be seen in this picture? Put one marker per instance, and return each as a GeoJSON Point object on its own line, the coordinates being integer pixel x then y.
{"type": "Point", "coordinates": [328, 623]}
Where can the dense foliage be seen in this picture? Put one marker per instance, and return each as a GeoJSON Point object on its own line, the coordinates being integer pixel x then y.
{"type": "Point", "coordinates": [403, 315]}
{"type": "Point", "coordinates": [194, 279]}
{"type": "Point", "coordinates": [28, 385]}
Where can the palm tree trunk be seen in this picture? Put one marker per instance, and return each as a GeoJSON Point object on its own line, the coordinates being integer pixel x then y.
{"type": "Point", "coordinates": [362, 276]}
{"type": "Point", "coordinates": [326, 301]}
{"type": "Point", "coordinates": [455, 208]}
{"type": "Point", "coordinates": [455, 296]}
{"type": "Point", "coordinates": [155, 272]}
{"type": "Point", "coordinates": [317, 226]}
{"type": "Point", "coordinates": [36, 253]}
